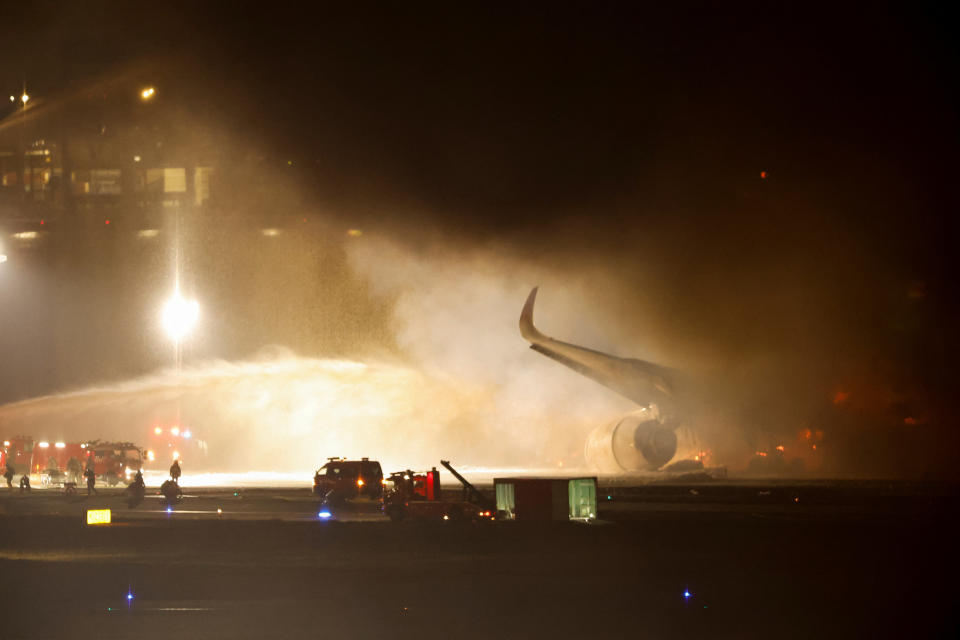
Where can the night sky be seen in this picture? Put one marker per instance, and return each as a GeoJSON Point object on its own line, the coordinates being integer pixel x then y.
{"type": "Point", "coordinates": [602, 138]}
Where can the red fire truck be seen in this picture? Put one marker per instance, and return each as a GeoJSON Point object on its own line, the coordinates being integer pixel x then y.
{"type": "Point", "coordinates": [416, 495]}
{"type": "Point", "coordinates": [54, 463]}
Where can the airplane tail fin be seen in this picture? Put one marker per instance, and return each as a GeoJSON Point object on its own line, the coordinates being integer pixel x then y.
{"type": "Point", "coordinates": [640, 381]}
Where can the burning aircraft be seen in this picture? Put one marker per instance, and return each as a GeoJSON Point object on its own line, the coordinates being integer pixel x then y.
{"type": "Point", "coordinates": [643, 440]}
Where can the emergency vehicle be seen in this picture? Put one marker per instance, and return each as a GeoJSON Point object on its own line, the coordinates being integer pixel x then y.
{"type": "Point", "coordinates": [167, 442]}
{"type": "Point", "coordinates": [341, 479]}
{"type": "Point", "coordinates": [416, 495]}
{"type": "Point", "coordinates": [55, 463]}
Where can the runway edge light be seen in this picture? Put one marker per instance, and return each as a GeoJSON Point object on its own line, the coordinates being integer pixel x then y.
{"type": "Point", "coordinates": [98, 516]}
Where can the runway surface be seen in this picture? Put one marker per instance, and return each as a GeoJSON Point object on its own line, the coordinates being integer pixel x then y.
{"type": "Point", "coordinates": [845, 560]}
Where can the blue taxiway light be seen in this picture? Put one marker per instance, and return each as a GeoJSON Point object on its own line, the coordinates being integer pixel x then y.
{"type": "Point", "coordinates": [169, 509]}
{"type": "Point", "coordinates": [129, 596]}
{"type": "Point", "coordinates": [323, 515]}
{"type": "Point", "coordinates": [687, 594]}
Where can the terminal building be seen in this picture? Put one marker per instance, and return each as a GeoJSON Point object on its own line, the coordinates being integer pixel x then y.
{"type": "Point", "coordinates": [116, 155]}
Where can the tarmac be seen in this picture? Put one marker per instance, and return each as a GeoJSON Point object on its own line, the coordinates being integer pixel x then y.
{"type": "Point", "coordinates": [739, 560]}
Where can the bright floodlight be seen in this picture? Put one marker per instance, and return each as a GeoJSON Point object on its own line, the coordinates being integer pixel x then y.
{"type": "Point", "coordinates": [180, 316]}
{"type": "Point", "coordinates": [147, 93]}
{"type": "Point", "coordinates": [24, 97]}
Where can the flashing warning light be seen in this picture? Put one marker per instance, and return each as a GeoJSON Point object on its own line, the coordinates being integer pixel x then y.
{"type": "Point", "coordinates": [359, 482]}
{"type": "Point", "coordinates": [98, 516]}
{"type": "Point", "coordinates": [43, 445]}
{"type": "Point", "coordinates": [763, 175]}
{"type": "Point", "coordinates": [324, 514]}
{"type": "Point", "coordinates": [107, 222]}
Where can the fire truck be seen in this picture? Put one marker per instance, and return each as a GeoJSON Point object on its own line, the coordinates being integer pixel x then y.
{"type": "Point", "coordinates": [167, 442]}
{"type": "Point", "coordinates": [114, 462]}
{"type": "Point", "coordinates": [56, 463]}
{"type": "Point", "coordinates": [416, 495]}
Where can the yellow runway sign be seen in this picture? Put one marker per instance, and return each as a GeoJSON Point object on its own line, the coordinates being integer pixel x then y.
{"type": "Point", "coordinates": [98, 516]}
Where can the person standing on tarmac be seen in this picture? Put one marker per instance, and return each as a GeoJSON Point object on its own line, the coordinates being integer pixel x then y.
{"type": "Point", "coordinates": [91, 480]}
{"type": "Point", "coordinates": [8, 474]}
{"type": "Point", "coordinates": [175, 471]}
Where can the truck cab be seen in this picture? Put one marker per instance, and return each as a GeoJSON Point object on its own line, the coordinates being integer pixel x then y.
{"type": "Point", "coordinates": [341, 479]}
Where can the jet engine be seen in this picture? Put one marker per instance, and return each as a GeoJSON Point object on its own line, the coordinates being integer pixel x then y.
{"type": "Point", "coordinates": [639, 441]}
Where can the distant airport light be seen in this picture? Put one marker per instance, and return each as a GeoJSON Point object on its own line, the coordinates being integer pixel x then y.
{"type": "Point", "coordinates": [148, 233]}
{"type": "Point", "coordinates": [24, 98]}
{"type": "Point", "coordinates": [6, 443]}
{"type": "Point", "coordinates": [169, 509]}
{"type": "Point", "coordinates": [180, 316]}
{"type": "Point", "coordinates": [359, 482]}
{"type": "Point", "coordinates": [43, 445]}
{"type": "Point", "coordinates": [324, 514]}
{"type": "Point", "coordinates": [147, 93]}
{"type": "Point", "coordinates": [270, 233]}
{"type": "Point", "coordinates": [25, 235]}
{"type": "Point", "coordinates": [175, 431]}
{"type": "Point", "coordinates": [187, 434]}
{"type": "Point", "coordinates": [157, 430]}
{"type": "Point", "coordinates": [151, 456]}
{"type": "Point", "coordinates": [686, 594]}
{"type": "Point", "coordinates": [780, 448]}
{"type": "Point", "coordinates": [83, 446]}
{"type": "Point", "coordinates": [13, 99]}
{"type": "Point", "coordinates": [3, 258]}
{"type": "Point", "coordinates": [60, 445]}
{"type": "Point", "coordinates": [176, 455]}
{"type": "Point", "coordinates": [763, 175]}
{"type": "Point", "coordinates": [136, 158]}
{"type": "Point", "coordinates": [354, 233]}
{"type": "Point", "coordinates": [129, 596]}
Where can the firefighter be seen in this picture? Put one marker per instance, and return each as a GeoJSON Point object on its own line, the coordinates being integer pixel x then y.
{"type": "Point", "coordinates": [74, 470]}
{"type": "Point", "coordinates": [8, 474]}
{"type": "Point", "coordinates": [175, 471]}
{"type": "Point", "coordinates": [171, 491]}
{"type": "Point", "coordinates": [91, 480]}
{"type": "Point", "coordinates": [137, 490]}
{"type": "Point", "coordinates": [24, 483]}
